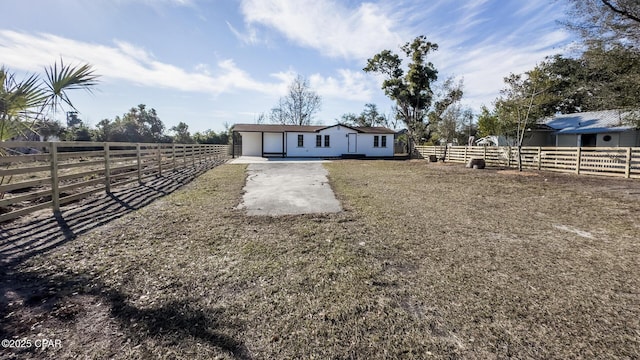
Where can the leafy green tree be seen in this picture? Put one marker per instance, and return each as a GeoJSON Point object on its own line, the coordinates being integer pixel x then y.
{"type": "Point", "coordinates": [613, 77]}
{"type": "Point", "coordinates": [24, 102]}
{"type": "Point", "coordinates": [77, 133]}
{"type": "Point", "coordinates": [104, 129]}
{"type": "Point", "coordinates": [181, 134]}
{"type": "Point", "coordinates": [137, 125]}
{"type": "Point", "coordinates": [411, 89]}
{"type": "Point", "coordinates": [47, 129]}
{"type": "Point", "coordinates": [521, 104]}
{"type": "Point", "coordinates": [211, 137]}
{"type": "Point", "coordinates": [146, 123]}
{"type": "Point", "coordinates": [599, 79]}
{"type": "Point", "coordinates": [370, 116]}
{"type": "Point", "coordinates": [348, 119]}
{"type": "Point", "coordinates": [488, 123]}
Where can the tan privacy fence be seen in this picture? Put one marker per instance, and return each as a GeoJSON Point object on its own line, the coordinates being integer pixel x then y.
{"type": "Point", "coordinates": [614, 161]}
{"type": "Point", "coordinates": [38, 175]}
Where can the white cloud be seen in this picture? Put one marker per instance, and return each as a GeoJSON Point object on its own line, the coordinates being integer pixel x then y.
{"type": "Point", "coordinates": [130, 63]}
{"type": "Point", "coordinates": [126, 62]}
{"type": "Point", "coordinates": [473, 43]}
{"type": "Point", "coordinates": [248, 37]}
{"type": "Point", "coordinates": [328, 26]}
{"type": "Point", "coordinates": [483, 49]}
{"type": "Point", "coordinates": [348, 85]}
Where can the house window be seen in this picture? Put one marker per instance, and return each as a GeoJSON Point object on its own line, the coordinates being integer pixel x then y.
{"type": "Point", "coordinates": [318, 140]}
{"type": "Point", "coordinates": [384, 141]}
{"type": "Point", "coordinates": [300, 140]}
{"type": "Point", "coordinates": [326, 141]}
{"type": "Point", "coordinates": [376, 141]}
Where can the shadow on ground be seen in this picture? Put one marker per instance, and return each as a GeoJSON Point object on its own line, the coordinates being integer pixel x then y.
{"type": "Point", "coordinates": [73, 299]}
{"type": "Point", "coordinates": [32, 300]}
{"type": "Point", "coordinates": [23, 238]}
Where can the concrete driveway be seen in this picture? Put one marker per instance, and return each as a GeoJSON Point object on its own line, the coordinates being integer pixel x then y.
{"type": "Point", "coordinates": [288, 188]}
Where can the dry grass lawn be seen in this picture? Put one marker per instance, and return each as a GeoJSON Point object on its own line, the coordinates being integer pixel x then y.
{"type": "Point", "coordinates": [426, 261]}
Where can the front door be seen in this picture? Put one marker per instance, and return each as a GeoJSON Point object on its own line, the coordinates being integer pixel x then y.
{"type": "Point", "coordinates": [353, 146]}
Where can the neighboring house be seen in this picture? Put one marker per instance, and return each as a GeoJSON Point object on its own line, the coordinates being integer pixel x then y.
{"type": "Point", "coordinates": [492, 140]}
{"type": "Point", "coordinates": [312, 141]}
{"type": "Point", "coordinates": [609, 128]}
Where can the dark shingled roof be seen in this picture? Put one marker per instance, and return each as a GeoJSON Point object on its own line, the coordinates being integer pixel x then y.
{"type": "Point", "coordinates": [306, 128]}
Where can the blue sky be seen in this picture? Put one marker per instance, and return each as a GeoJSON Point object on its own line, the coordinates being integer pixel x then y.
{"type": "Point", "coordinates": [207, 62]}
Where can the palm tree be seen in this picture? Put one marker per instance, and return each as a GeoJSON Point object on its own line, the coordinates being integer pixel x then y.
{"type": "Point", "coordinates": [18, 99]}
{"type": "Point", "coordinates": [22, 103]}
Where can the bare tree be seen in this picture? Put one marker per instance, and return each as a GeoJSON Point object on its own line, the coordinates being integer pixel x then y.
{"type": "Point", "coordinates": [260, 118]}
{"type": "Point", "coordinates": [298, 107]}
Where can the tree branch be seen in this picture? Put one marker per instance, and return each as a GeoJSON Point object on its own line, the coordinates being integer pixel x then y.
{"type": "Point", "coordinates": [622, 12]}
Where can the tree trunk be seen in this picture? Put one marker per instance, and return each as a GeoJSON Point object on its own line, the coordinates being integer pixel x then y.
{"type": "Point", "coordinates": [519, 157]}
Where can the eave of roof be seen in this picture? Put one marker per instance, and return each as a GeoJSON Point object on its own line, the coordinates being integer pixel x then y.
{"type": "Point", "coordinates": [600, 130]}
{"type": "Point", "coordinates": [275, 128]}
{"type": "Point", "coordinates": [305, 128]}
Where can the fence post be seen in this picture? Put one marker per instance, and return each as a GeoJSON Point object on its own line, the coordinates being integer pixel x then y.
{"type": "Point", "coordinates": [578, 158]}
{"type": "Point", "coordinates": [184, 155]}
{"type": "Point", "coordinates": [159, 160]}
{"type": "Point", "coordinates": [539, 157]}
{"type": "Point", "coordinates": [627, 168]}
{"type": "Point", "coordinates": [508, 156]}
{"type": "Point", "coordinates": [465, 154]}
{"type": "Point", "coordinates": [484, 155]}
{"type": "Point", "coordinates": [173, 156]}
{"type": "Point", "coordinates": [107, 169]}
{"type": "Point", "coordinates": [139, 159]}
{"type": "Point", "coordinates": [55, 189]}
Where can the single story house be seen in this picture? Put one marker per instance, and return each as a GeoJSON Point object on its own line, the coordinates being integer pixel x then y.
{"type": "Point", "coordinates": [312, 141]}
{"type": "Point", "coordinates": [608, 128]}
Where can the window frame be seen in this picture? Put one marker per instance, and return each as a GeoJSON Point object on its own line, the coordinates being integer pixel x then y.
{"type": "Point", "coordinates": [376, 141]}
{"type": "Point", "coordinates": [327, 141]}
{"type": "Point", "coordinates": [318, 140]}
{"type": "Point", "coordinates": [383, 141]}
{"type": "Point", "coordinates": [300, 140]}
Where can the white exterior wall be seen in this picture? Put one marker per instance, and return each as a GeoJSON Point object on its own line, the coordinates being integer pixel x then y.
{"type": "Point", "coordinates": [251, 143]}
{"type": "Point", "coordinates": [337, 146]}
{"type": "Point", "coordinates": [273, 143]}
{"type": "Point", "coordinates": [339, 143]}
{"type": "Point", "coordinates": [365, 145]}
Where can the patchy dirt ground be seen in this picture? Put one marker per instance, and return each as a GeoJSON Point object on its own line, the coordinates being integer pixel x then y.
{"type": "Point", "coordinates": [425, 261]}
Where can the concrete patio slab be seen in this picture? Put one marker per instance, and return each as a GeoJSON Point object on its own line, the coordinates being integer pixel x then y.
{"type": "Point", "coordinates": [288, 188]}
{"type": "Point", "coordinates": [261, 160]}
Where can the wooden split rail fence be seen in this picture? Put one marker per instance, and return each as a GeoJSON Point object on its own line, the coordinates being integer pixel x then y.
{"type": "Point", "coordinates": [39, 175]}
{"type": "Point", "coordinates": [609, 161]}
